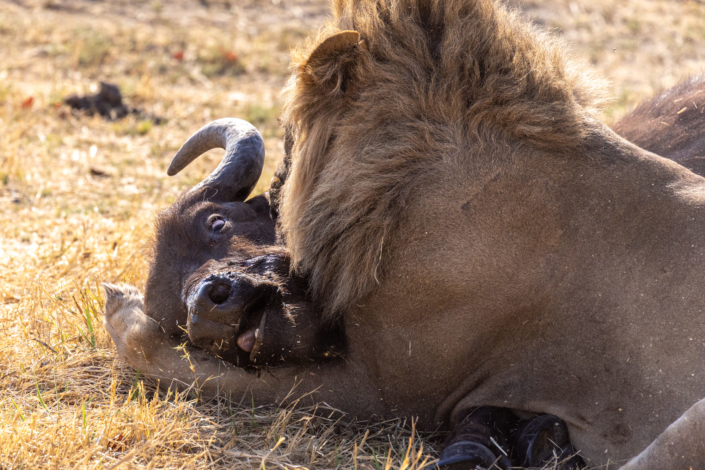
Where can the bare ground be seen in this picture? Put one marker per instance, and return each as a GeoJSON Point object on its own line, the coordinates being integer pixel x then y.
{"type": "Point", "coordinates": [78, 193]}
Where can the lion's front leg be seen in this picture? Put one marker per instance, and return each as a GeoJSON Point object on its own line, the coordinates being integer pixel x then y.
{"type": "Point", "coordinates": [145, 346]}
{"type": "Point", "coordinates": [138, 338]}
{"type": "Point", "coordinates": [142, 342]}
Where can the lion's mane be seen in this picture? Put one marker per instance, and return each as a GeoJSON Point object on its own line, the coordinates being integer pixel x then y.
{"type": "Point", "coordinates": [429, 83]}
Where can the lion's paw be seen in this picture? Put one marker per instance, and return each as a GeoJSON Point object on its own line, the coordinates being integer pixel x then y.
{"type": "Point", "coordinates": [121, 297]}
{"type": "Point", "coordinates": [136, 336]}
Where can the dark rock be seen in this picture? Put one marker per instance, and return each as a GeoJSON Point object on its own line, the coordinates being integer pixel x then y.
{"type": "Point", "coordinates": [107, 103]}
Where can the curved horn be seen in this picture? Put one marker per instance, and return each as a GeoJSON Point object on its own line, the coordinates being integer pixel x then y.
{"type": "Point", "coordinates": [242, 163]}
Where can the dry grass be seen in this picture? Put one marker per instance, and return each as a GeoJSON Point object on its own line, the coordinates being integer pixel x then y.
{"type": "Point", "coordinates": [77, 195]}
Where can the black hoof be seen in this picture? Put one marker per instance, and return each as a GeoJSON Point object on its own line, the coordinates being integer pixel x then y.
{"type": "Point", "coordinates": [543, 439]}
{"type": "Point", "coordinates": [568, 459]}
{"type": "Point", "coordinates": [467, 455]}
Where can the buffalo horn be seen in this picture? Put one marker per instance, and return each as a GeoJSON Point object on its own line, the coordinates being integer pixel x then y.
{"type": "Point", "coordinates": [242, 163]}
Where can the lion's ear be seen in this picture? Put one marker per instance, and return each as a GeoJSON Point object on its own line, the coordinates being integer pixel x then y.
{"type": "Point", "coordinates": [334, 46]}
{"type": "Point", "coordinates": [331, 62]}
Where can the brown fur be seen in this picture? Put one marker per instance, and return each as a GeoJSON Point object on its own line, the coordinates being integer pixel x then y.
{"type": "Point", "coordinates": [357, 388]}
{"type": "Point", "coordinates": [180, 247]}
{"type": "Point", "coordinates": [671, 124]}
{"type": "Point", "coordinates": [449, 78]}
{"type": "Point", "coordinates": [245, 256]}
{"type": "Point", "coordinates": [528, 257]}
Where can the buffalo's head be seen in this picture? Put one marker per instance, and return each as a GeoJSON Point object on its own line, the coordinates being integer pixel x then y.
{"type": "Point", "coordinates": [217, 271]}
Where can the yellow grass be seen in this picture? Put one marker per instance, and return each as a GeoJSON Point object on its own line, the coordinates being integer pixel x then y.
{"type": "Point", "coordinates": [78, 194]}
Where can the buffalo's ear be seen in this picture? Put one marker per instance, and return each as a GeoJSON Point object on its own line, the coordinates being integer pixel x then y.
{"type": "Point", "coordinates": [330, 65]}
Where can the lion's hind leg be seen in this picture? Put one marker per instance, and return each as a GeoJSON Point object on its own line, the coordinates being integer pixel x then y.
{"type": "Point", "coordinates": [680, 446]}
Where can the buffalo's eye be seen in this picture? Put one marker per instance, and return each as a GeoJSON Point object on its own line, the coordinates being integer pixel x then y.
{"type": "Point", "coordinates": [217, 223]}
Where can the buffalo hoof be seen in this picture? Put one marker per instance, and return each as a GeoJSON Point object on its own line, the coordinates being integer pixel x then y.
{"type": "Point", "coordinates": [545, 439]}
{"type": "Point", "coordinates": [468, 455]}
{"type": "Point", "coordinates": [568, 459]}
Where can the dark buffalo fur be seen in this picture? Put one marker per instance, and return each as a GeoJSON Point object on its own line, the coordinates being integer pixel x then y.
{"type": "Point", "coordinates": [671, 124]}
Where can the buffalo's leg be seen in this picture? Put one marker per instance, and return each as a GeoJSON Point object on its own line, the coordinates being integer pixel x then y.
{"type": "Point", "coordinates": [680, 446]}
{"type": "Point", "coordinates": [492, 437]}
{"type": "Point", "coordinates": [481, 439]}
{"type": "Point", "coordinates": [542, 440]}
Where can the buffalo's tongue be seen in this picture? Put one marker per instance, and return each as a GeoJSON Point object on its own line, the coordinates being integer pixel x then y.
{"type": "Point", "coordinates": [247, 340]}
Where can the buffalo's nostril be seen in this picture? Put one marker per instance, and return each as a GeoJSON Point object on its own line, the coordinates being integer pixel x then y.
{"type": "Point", "coordinates": [219, 292]}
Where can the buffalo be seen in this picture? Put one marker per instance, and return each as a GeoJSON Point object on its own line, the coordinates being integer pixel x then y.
{"type": "Point", "coordinates": [452, 219]}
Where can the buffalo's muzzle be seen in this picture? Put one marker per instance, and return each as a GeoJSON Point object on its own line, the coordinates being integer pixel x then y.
{"type": "Point", "coordinates": [217, 305]}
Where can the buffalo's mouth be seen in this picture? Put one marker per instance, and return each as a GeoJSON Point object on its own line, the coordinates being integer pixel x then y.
{"type": "Point", "coordinates": [225, 311]}
{"type": "Point", "coordinates": [252, 314]}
